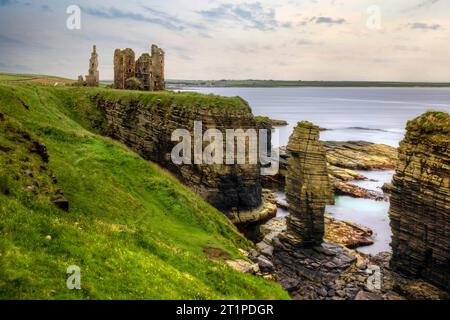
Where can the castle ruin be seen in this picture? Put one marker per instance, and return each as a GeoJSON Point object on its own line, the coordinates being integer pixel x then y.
{"type": "Point", "coordinates": [145, 73]}
{"type": "Point", "coordinates": [93, 78]}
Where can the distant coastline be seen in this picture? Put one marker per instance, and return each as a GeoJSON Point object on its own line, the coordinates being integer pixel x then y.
{"type": "Point", "coordinates": [282, 83]}
{"type": "Point", "coordinates": [177, 84]}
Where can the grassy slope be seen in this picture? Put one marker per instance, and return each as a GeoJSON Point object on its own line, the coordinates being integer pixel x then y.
{"type": "Point", "coordinates": [134, 230]}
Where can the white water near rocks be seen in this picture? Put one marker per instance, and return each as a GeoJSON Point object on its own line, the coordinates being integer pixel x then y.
{"type": "Point", "coordinates": [376, 179]}
{"type": "Point", "coordinates": [366, 212]}
{"type": "Point", "coordinates": [376, 115]}
{"type": "Point", "coordinates": [369, 213]}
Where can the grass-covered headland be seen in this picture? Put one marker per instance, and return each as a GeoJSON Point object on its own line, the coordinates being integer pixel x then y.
{"type": "Point", "coordinates": [133, 229]}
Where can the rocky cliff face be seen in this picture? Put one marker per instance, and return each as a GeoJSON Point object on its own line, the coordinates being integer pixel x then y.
{"type": "Point", "coordinates": [420, 201]}
{"type": "Point", "coordinates": [145, 123]}
{"type": "Point", "coordinates": [308, 188]}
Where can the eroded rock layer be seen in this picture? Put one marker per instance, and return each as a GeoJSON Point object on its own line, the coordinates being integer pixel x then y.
{"type": "Point", "coordinates": [145, 123]}
{"type": "Point", "coordinates": [308, 188]}
{"type": "Point", "coordinates": [344, 158]}
{"type": "Point", "coordinates": [420, 201]}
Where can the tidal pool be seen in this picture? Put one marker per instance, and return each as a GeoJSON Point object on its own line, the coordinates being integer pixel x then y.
{"type": "Point", "coordinates": [280, 211]}
{"type": "Point", "coordinates": [377, 179]}
{"type": "Point", "coordinates": [369, 213]}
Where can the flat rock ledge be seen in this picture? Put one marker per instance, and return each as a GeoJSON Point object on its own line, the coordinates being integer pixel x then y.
{"type": "Point", "coordinates": [343, 159]}
{"type": "Point", "coordinates": [266, 211]}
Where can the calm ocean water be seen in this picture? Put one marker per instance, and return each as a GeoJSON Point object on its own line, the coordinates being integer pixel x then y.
{"type": "Point", "coordinates": [372, 114]}
{"type": "Point", "coordinates": [377, 115]}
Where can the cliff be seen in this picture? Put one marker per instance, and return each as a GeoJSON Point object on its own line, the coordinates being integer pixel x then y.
{"type": "Point", "coordinates": [420, 207]}
{"type": "Point", "coordinates": [145, 122]}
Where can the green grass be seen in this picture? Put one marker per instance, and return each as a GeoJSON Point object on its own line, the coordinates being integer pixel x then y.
{"type": "Point", "coordinates": [34, 79]}
{"type": "Point", "coordinates": [14, 77]}
{"type": "Point", "coordinates": [133, 229]}
{"type": "Point", "coordinates": [431, 122]}
{"type": "Point", "coordinates": [432, 125]}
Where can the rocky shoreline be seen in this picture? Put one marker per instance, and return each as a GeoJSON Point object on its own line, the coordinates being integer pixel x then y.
{"type": "Point", "coordinates": [309, 253]}
{"type": "Point", "coordinates": [343, 159]}
{"type": "Point", "coordinates": [332, 270]}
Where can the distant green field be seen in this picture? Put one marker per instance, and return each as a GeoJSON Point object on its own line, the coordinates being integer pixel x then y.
{"type": "Point", "coordinates": [34, 79]}
{"type": "Point", "coordinates": [280, 83]}
{"type": "Point", "coordinates": [14, 77]}
{"type": "Point", "coordinates": [173, 83]}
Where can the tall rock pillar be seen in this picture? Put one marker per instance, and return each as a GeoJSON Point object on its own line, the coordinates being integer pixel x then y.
{"type": "Point", "coordinates": [308, 188]}
{"type": "Point", "coordinates": [420, 201]}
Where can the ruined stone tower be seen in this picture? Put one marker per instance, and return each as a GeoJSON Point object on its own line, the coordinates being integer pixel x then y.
{"type": "Point", "coordinates": [144, 71]}
{"type": "Point", "coordinates": [308, 188]}
{"type": "Point", "coordinates": [124, 67]}
{"type": "Point", "coordinates": [148, 69]}
{"type": "Point", "coordinates": [158, 82]}
{"type": "Point", "coordinates": [93, 78]}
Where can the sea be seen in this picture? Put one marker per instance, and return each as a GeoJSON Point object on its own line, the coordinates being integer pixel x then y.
{"type": "Point", "coordinates": [376, 115]}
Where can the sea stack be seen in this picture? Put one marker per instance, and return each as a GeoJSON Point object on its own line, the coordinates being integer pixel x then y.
{"type": "Point", "coordinates": [420, 206]}
{"type": "Point", "coordinates": [308, 188]}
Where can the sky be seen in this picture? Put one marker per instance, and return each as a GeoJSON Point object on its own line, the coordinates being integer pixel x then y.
{"type": "Point", "coordinates": [358, 40]}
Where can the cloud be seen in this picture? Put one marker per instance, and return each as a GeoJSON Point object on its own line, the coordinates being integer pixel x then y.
{"type": "Point", "coordinates": [46, 8]}
{"type": "Point", "coordinates": [4, 3]}
{"type": "Point", "coordinates": [425, 26]}
{"type": "Point", "coordinates": [5, 40]}
{"type": "Point", "coordinates": [306, 43]}
{"type": "Point", "coordinates": [251, 15]}
{"type": "Point", "coordinates": [328, 20]}
{"type": "Point", "coordinates": [407, 48]}
{"type": "Point", "coordinates": [114, 13]}
{"type": "Point", "coordinates": [422, 4]}
{"type": "Point", "coordinates": [174, 19]}
{"type": "Point", "coordinates": [426, 3]}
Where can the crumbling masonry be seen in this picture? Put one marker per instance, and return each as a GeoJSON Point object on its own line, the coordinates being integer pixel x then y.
{"type": "Point", "coordinates": [147, 72]}
{"type": "Point", "coordinates": [93, 78]}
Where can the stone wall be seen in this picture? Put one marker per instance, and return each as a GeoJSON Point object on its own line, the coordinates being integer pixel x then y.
{"type": "Point", "coordinates": [148, 69]}
{"type": "Point", "coordinates": [145, 124]}
{"type": "Point", "coordinates": [124, 67]}
{"type": "Point", "coordinates": [420, 201]}
{"type": "Point", "coordinates": [144, 71]}
{"type": "Point", "coordinates": [158, 81]}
